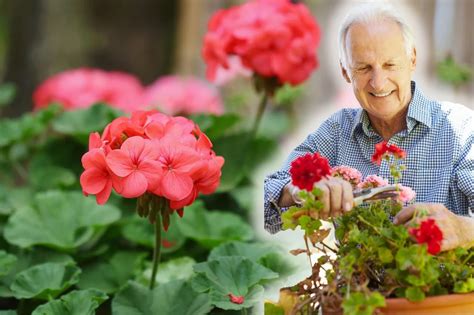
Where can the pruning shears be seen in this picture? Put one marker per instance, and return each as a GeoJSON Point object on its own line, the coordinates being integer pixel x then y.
{"type": "Point", "coordinates": [377, 193]}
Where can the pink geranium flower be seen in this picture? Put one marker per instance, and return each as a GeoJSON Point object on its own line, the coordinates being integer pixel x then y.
{"type": "Point", "coordinates": [178, 163]}
{"type": "Point", "coordinates": [135, 163]}
{"type": "Point", "coordinates": [372, 181]}
{"type": "Point", "coordinates": [406, 194]}
{"type": "Point", "coordinates": [83, 87]}
{"type": "Point", "coordinates": [272, 38]}
{"type": "Point", "coordinates": [347, 173]}
{"type": "Point", "coordinates": [96, 179]}
{"type": "Point", "coordinates": [151, 153]}
{"type": "Point", "coordinates": [176, 95]}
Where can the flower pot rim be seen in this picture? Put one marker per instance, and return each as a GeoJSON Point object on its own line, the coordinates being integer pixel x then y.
{"type": "Point", "coordinates": [431, 301]}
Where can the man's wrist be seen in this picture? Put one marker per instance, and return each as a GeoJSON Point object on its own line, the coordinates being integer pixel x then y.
{"type": "Point", "coordinates": [466, 226]}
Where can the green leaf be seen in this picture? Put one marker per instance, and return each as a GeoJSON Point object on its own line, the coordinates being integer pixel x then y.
{"type": "Point", "coordinates": [242, 154]}
{"type": "Point", "coordinates": [172, 298]}
{"type": "Point", "coordinates": [7, 262]}
{"type": "Point", "coordinates": [211, 228]}
{"type": "Point", "coordinates": [27, 259]}
{"type": "Point", "coordinates": [7, 93]}
{"type": "Point", "coordinates": [109, 276]}
{"type": "Point", "coordinates": [74, 303]}
{"type": "Point", "coordinates": [287, 94]}
{"type": "Point", "coordinates": [451, 72]}
{"type": "Point", "coordinates": [8, 312]}
{"type": "Point", "coordinates": [274, 125]}
{"type": "Point", "coordinates": [51, 177]}
{"type": "Point", "coordinates": [175, 269]}
{"type": "Point", "coordinates": [414, 294]}
{"type": "Point", "coordinates": [252, 251]}
{"type": "Point", "coordinates": [268, 255]}
{"type": "Point", "coordinates": [80, 123]}
{"type": "Point", "coordinates": [26, 127]}
{"type": "Point", "coordinates": [385, 255]}
{"type": "Point", "coordinates": [464, 286]}
{"type": "Point", "coordinates": [359, 303]}
{"type": "Point", "coordinates": [44, 281]}
{"type": "Point", "coordinates": [62, 220]}
{"type": "Point", "coordinates": [140, 231]}
{"type": "Point", "coordinates": [215, 126]}
{"type": "Point", "coordinates": [231, 275]}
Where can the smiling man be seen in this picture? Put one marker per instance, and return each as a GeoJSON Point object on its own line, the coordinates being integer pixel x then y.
{"type": "Point", "coordinates": [378, 58]}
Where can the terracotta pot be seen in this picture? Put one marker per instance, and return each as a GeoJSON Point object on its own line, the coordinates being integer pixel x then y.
{"type": "Point", "coordinates": [452, 304]}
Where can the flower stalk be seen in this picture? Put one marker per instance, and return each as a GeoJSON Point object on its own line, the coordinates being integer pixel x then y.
{"type": "Point", "coordinates": [260, 111]}
{"type": "Point", "coordinates": [159, 204]}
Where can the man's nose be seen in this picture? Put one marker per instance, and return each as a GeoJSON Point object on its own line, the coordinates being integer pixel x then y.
{"type": "Point", "coordinates": [378, 79]}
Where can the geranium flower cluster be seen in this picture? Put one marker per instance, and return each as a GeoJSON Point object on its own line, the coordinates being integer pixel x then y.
{"type": "Point", "coordinates": [383, 149]}
{"type": "Point", "coordinates": [83, 87]}
{"type": "Point", "coordinates": [430, 234]}
{"type": "Point", "coordinates": [347, 173]}
{"type": "Point", "coordinates": [309, 169]}
{"type": "Point", "coordinates": [273, 38]}
{"type": "Point", "coordinates": [175, 95]}
{"type": "Point", "coordinates": [151, 153]}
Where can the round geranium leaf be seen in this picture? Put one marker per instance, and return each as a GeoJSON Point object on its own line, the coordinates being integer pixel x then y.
{"type": "Point", "coordinates": [81, 122]}
{"type": "Point", "coordinates": [268, 255]}
{"type": "Point", "coordinates": [62, 220]}
{"type": "Point", "coordinates": [75, 303]}
{"type": "Point", "coordinates": [211, 228]}
{"type": "Point", "coordinates": [140, 231]}
{"type": "Point", "coordinates": [176, 269]}
{"type": "Point", "coordinates": [26, 259]}
{"type": "Point", "coordinates": [230, 276]}
{"type": "Point", "coordinates": [175, 297]}
{"type": "Point", "coordinates": [44, 281]}
{"type": "Point", "coordinates": [7, 262]}
{"type": "Point", "coordinates": [110, 275]}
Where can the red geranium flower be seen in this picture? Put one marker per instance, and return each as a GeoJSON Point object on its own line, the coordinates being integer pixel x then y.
{"type": "Point", "coordinates": [383, 148]}
{"type": "Point", "coordinates": [429, 233]}
{"type": "Point", "coordinates": [309, 169]}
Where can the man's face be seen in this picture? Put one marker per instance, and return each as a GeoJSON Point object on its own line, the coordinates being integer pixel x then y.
{"type": "Point", "coordinates": [379, 69]}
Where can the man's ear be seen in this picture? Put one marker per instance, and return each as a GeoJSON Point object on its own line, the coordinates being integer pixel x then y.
{"type": "Point", "coordinates": [344, 73]}
{"type": "Point", "coordinates": [413, 59]}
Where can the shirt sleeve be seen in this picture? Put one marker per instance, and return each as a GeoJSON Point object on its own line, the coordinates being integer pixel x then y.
{"type": "Point", "coordinates": [322, 141]}
{"type": "Point", "coordinates": [464, 171]}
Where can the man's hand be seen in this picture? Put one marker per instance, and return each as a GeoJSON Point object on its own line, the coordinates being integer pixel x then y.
{"type": "Point", "coordinates": [457, 230]}
{"type": "Point", "coordinates": [336, 197]}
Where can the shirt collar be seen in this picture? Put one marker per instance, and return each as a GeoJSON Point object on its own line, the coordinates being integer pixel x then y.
{"type": "Point", "coordinates": [419, 110]}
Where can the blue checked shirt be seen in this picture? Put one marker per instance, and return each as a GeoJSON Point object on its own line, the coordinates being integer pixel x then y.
{"type": "Point", "coordinates": [439, 144]}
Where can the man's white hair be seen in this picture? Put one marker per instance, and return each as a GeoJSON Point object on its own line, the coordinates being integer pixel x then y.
{"type": "Point", "coordinates": [373, 12]}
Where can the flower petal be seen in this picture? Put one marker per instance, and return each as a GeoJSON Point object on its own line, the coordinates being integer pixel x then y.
{"type": "Point", "coordinates": [120, 163]}
{"type": "Point", "coordinates": [176, 186]}
{"type": "Point", "coordinates": [93, 180]}
{"type": "Point", "coordinates": [104, 195]}
{"type": "Point", "coordinates": [134, 185]}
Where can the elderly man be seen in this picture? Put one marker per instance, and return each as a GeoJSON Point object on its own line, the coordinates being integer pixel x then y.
{"type": "Point", "coordinates": [378, 57]}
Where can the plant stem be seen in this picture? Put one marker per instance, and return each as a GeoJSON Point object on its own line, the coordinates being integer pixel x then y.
{"type": "Point", "coordinates": [308, 251]}
{"type": "Point", "coordinates": [377, 230]}
{"type": "Point", "coordinates": [243, 311]}
{"type": "Point", "coordinates": [260, 111]}
{"type": "Point", "coordinates": [156, 250]}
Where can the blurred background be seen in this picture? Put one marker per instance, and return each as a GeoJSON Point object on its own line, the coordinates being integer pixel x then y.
{"type": "Point", "coordinates": [151, 38]}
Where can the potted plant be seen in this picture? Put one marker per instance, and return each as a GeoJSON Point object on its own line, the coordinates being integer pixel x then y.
{"type": "Point", "coordinates": [374, 266]}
